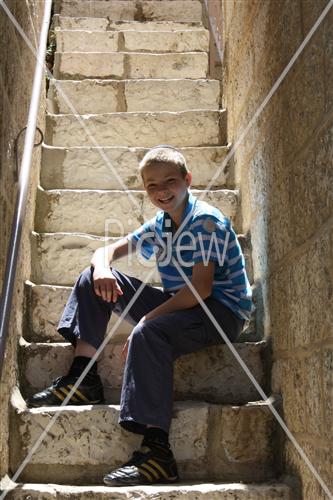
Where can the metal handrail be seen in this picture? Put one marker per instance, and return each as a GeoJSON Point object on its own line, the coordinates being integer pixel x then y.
{"type": "Point", "coordinates": [16, 149]}
{"type": "Point", "coordinates": [23, 186]}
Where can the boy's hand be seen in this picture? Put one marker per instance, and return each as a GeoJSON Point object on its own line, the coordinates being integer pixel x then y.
{"type": "Point", "coordinates": [106, 285]}
{"type": "Point", "coordinates": [125, 348]}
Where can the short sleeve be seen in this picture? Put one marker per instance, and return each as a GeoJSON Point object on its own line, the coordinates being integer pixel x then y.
{"type": "Point", "coordinates": [211, 237]}
{"type": "Point", "coordinates": [143, 239]}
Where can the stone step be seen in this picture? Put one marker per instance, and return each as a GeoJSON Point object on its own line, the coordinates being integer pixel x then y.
{"type": "Point", "coordinates": [44, 306]}
{"type": "Point", "coordinates": [210, 441]}
{"type": "Point", "coordinates": [58, 258]}
{"type": "Point", "coordinates": [122, 65]}
{"type": "Point", "coordinates": [108, 96]}
{"type": "Point", "coordinates": [271, 490]}
{"type": "Point", "coordinates": [212, 374]}
{"type": "Point", "coordinates": [128, 10]}
{"type": "Point", "coordinates": [109, 213]}
{"type": "Point", "coordinates": [60, 167]}
{"type": "Point", "coordinates": [132, 41]}
{"type": "Point", "coordinates": [105, 24]}
{"type": "Point", "coordinates": [183, 128]}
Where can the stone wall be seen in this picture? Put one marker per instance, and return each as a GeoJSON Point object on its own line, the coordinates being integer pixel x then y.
{"type": "Point", "coordinates": [284, 169]}
{"type": "Point", "coordinates": [17, 65]}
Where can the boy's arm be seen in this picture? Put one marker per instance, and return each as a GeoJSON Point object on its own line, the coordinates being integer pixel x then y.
{"type": "Point", "coordinates": [103, 256]}
{"type": "Point", "coordinates": [105, 283]}
{"type": "Point", "coordinates": [202, 281]}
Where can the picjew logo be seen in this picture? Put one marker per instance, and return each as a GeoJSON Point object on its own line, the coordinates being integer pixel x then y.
{"type": "Point", "coordinates": [166, 249]}
{"type": "Point", "coordinates": [187, 249]}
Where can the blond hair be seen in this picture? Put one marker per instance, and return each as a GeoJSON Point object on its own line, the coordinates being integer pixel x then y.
{"type": "Point", "coordinates": [164, 154]}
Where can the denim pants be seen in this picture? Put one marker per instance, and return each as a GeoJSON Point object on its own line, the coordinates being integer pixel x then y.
{"type": "Point", "coordinates": [147, 390]}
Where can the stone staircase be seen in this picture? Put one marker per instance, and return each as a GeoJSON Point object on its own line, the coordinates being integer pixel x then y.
{"type": "Point", "coordinates": [137, 74]}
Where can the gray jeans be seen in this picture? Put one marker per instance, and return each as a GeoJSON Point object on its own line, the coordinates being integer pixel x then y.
{"type": "Point", "coordinates": [147, 390]}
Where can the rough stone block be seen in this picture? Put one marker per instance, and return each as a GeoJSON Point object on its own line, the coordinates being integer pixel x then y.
{"type": "Point", "coordinates": [59, 167]}
{"type": "Point", "coordinates": [126, 10]}
{"type": "Point", "coordinates": [101, 24]}
{"type": "Point", "coordinates": [80, 65]}
{"type": "Point", "coordinates": [87, 41]}
{"type": "Point", "coordinates": [217, 491]}
{"type": "Point", "coordinates": [116, 9]}
{"type": "Point", "coordinates": [132, 41]}
{"type": "Point", "coordinates": [163, 95]}
{"type": "Point", "coordinates": [85, 96]}
{"type": "Point", "coordinates": [212, 374]}
{"type": "Point", "coordinates": [238, 431]}
{"type": "Point", "coordinates": [327, 364]}
{"type": "Point", "coordinates": [164, 41]}
{"type": "Point", "coordinates": [328, 48]}
{"type": "Point", "coordinates": [108, 213]}
{"type": "Point", "coordinates": [80, 23]}
{"type": "Point", "coordinates": [108, 96]}
{"type": "Point", "coordinates": [321, 458]}
{"type": "Point", "coordinates": [296, 379]}
{"type": "Point", "coordinates": [310, 184]}
{"type": "Point", "coordinates": [187, 128]}
{"type": "Point", "coordinates": [59, 258]}
{"type": "Point", "coordinates": [45, 304]}
{"type": "Point", "coordinates": [178, 65]}
{"type": "Point", "coordinates": [90, 437]}
{"type": "Point", "coordinates": [177, 10]}
{"type": "Point", "coordinates": [294, 308]}
{"type": "Point", "coordinates": [304, 102]}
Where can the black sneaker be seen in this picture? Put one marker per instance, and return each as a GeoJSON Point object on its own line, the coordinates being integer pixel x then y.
{"type": "Point", "coordinates": [89, 392]}
{"type": "Point", "coordinates": [147, 466]}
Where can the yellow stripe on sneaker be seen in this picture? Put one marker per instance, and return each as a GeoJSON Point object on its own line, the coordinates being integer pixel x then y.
{"type": "Point", "coordinates": [146, 474]}
{"type": "Point", "coordinates": [58, 394]}
{"type": "Point", "coordinates": [159, 468]}
{"type": "Point", "coordinates": [150, 469]}
{"type": "Point", "coordinates": [66, 392]}
{"type": "Point", "coordinates": [79, 393]}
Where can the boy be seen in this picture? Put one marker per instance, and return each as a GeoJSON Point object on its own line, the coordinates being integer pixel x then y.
{"type": "Point", "coordinates": [191, 240]}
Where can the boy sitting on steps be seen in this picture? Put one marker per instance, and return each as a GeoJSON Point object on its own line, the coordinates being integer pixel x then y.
{"type": "Point", "coordinates": [188, 237]}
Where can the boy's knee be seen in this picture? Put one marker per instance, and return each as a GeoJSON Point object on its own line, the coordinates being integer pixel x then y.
{"type": "Point", "coordinates": [147, 332]}
{"type": "Point", "coordinates": [140, 333]}
{"type": "Point", "coordinates": [137, 334]}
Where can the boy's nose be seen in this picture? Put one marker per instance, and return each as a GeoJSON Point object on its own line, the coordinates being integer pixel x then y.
{"type": "Point", "coordinates": [163, 190]}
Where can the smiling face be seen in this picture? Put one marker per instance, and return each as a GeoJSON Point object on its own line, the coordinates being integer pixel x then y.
{"type": "Point", "coordinates": [167, 187]}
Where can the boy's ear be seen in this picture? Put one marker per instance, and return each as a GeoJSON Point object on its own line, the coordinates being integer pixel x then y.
{"type": "Point", "coordinates": [188, 179]}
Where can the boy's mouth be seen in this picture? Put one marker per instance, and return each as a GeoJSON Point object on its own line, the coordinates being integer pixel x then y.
{"type": "Point", "coordinates": [165, 200]}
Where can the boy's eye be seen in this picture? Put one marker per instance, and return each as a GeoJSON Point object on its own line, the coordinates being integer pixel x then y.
{"type": "Point", "coordinates": [171, 180]}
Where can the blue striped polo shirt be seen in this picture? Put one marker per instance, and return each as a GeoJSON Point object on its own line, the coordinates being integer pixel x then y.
{"type": "Point", "coordinates": [205, 234]}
